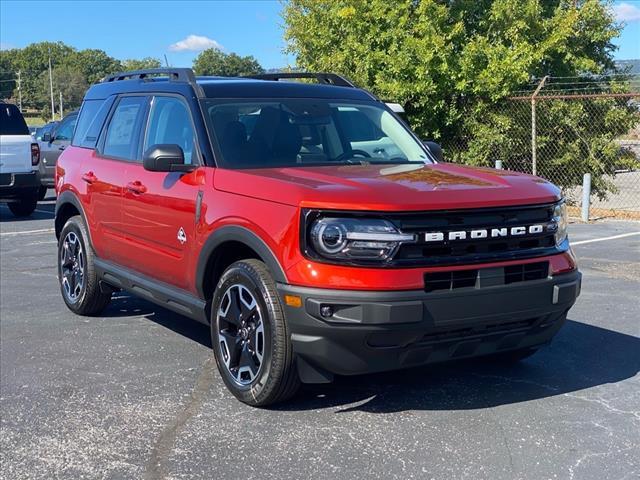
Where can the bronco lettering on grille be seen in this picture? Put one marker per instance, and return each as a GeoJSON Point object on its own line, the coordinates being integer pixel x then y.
{"type": "Point", "coordinates": [482, 233]}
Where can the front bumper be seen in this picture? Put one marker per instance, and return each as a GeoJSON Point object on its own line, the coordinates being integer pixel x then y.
{"type": "Point", "coordinates": [14, 186]}
{"type": "Point", "coordinates": [378, 331]}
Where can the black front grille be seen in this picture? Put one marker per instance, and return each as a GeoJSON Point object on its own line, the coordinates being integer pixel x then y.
{"type": "Point", "coordinates": [467, 251]}
{"type": "Point", "coordinates": [485, 277]}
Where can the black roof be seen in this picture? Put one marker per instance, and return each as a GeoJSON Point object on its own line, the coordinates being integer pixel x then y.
{"type": "Point", "coordinates": [182, 81]}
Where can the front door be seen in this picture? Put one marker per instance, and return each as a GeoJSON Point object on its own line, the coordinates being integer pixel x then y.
{"type": "Point", "coordinates": [104, 175]}
{"type": "Point", "coordinates": [159, 208]}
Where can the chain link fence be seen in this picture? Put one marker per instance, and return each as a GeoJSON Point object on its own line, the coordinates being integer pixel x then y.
{"type": "Point", "coordinates": [560, 136]}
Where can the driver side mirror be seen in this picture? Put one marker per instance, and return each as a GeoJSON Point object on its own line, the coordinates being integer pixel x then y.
{"type": "Point", "coordinates": [47, 137]}
{"type": "Point", "coordinates": [435, 149]}
{"type": "Point", "coordinates": [165, 158]}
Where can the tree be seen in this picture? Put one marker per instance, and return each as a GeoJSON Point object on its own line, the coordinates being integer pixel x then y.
{"type": "Point", "coordinates": [94, 64]}
{"type": "Point", "coordinates": [214, 62]}
{"type": "Point", "coordinates": [451, 63]}
{"type": "Point", "coordinates": [142, 64]}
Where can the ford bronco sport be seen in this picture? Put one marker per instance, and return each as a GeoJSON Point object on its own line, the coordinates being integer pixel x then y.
{"type": "Point", "coordinates": [307, 225]}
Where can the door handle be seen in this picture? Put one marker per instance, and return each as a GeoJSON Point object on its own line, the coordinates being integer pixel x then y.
{"type": "Point", "coordinates": [136, 187]}
{"type": "Point", "coordinates": [89, 177]}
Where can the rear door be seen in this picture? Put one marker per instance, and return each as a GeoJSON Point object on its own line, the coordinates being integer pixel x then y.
{"type": "Point", "coordinates": [15, 141]}
{"type": "Point", "coordinates": [159, 208]}
{"type": "Point", "coordinates": [104, 172]}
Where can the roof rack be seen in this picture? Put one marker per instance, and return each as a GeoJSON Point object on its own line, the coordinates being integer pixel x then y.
{"type": "Point", "coordinates": [175, 75]}
{"type": "Point", "coordinates": [321, 77]}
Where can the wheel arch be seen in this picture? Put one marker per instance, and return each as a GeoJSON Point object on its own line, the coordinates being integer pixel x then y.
{"type": "Point", "coordinates": [227, 245]}
{"type": "Point", "coordinates": [67, 206]}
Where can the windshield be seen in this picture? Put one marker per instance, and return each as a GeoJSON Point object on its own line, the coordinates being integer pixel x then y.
{"type": "Point", "coordinates": [305, 132]}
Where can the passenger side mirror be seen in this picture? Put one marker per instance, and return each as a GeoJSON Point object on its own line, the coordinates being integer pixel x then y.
{"type": "Point", "coordinates": [165, 158]}
{"type": "Point", "coordinates": [47, 137]}
{"type": "Point", "coordinates": [435, 149]}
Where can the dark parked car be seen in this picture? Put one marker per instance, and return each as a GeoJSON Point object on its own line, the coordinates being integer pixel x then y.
{"type": "Point", "coordinates": [52, 144]}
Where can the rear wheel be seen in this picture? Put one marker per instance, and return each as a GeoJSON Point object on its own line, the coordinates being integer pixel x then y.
{"type": "Point", "coordinates": [42, 193]}
{"type": "Point", "coordinates": [76, 271]}
{"type": "Point", "coordinates": [25, 206]}
{"type": "Point", "coordinates": [250, 336]}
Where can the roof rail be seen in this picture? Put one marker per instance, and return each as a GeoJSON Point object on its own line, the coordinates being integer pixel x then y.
{"type": "Point", "coordinates": [175, 75]}
{"type": "Point", "coordinates": [321, 77]}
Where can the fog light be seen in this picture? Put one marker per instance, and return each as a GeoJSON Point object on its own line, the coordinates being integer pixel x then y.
{"type": "Point", "coordinates": [326, 311]}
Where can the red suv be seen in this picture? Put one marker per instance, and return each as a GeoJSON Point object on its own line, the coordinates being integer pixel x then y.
{"type": "Point", "coordinates": [307, 225]}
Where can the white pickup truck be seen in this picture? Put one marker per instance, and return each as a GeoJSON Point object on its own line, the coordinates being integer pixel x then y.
{"type": "Point", "coordinates": [19, 158]}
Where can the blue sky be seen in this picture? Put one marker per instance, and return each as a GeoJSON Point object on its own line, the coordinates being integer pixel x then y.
{"type": "Point", "coordinates": [179, 29]}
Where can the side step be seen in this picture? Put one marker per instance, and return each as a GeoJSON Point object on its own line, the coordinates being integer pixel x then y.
{"type": "Point", "coordinates": [160, 293]}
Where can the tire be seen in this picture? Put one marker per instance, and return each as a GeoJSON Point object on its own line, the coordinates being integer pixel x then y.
{"type": "Point", "coordinates": [42, 193]}
{"type": "Point", "coordinates": [513, 356]}
{"type": "Point", "coordinates": [25, 206]}
{"type": "Point", "coordinates": [76, 271]}
{"type": "Point", "coordinates": [245, 308]}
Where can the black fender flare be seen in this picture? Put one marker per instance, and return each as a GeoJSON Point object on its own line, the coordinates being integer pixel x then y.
{"type": "Point", "coordinates": [236, 234]}
{"type": "Point", "coordinates": [68, 197]}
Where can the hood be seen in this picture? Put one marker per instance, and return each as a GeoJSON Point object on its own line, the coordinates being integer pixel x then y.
{"type": "Point", "coordinates": [388, 187]}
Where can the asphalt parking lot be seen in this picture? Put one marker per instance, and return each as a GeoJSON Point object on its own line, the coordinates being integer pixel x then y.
{"type": "Point", "coordinates": [135, 393]}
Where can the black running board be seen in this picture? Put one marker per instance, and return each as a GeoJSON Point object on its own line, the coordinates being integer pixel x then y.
{"type": "Point", "coordinates": [162, 294]}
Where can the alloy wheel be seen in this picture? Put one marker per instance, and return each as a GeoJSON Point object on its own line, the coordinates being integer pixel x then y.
{"type": "Point", "coordinates": [72, 267]}
{"type": "Point", "coordinates": [241, 334]}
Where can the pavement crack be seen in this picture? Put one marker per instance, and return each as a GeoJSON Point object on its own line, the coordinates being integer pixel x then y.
{"type": "Point", "coordinates": [157, 466]}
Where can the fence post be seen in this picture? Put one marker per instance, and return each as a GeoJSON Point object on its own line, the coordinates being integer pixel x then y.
{"type": "Point", "coordinates": [534, 156]}
{"type": "Point", "coordinates": [586, 196]}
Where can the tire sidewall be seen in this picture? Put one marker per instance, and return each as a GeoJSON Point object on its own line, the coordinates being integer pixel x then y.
{"type": "Point", "coordinates": [74, 226]}
{"type": "Point", "coordinates": [243, 274]}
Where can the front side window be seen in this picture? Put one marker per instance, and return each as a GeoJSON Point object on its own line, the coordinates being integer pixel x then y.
{"type": "Point", "coordinates": [304, 132]}
{"type": "Point", "coordinates": [170, 123]}
{"type": "Point", "coordinates": [121, 140]}
{"type": "Point", "coordinates": [65, 130]}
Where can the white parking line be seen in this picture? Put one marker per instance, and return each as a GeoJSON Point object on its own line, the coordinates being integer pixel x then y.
{"type": "Point", "coordinates": [27, 232]}
{"type": "Point", "coordinates": [623, 235]}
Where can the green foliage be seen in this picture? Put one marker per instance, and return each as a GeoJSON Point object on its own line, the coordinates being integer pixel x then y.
{"type": "Point", "coordinates": [452, 63]}
{"type": "Point", "coordinates": [142, 64]}
{"type": "Point", "coordinates": [73, 72]}
{"type": "Point", "coordinates": [214, 62]}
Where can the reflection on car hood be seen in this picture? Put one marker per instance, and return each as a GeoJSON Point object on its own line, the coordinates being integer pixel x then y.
{"type": "Point", "coordinates": [388, 187]}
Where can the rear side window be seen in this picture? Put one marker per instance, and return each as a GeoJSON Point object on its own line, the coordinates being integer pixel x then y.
{"type": "Point", "coordinates": [123, 132]}
{"type": "Point", "coordinates": [11, 121]}
{"type": "Point", "coordinates": [90, 121]}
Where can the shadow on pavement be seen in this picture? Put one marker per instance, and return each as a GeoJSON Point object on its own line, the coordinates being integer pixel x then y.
{"type": "Point", "coordinates": [581, 356]}
{"type": "Point", "coordinates": [44, 211]}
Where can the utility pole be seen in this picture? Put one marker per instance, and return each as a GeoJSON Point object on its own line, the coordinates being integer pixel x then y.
{"type": "Point", "coordinates": [61, 111]}
{"type": "Point", "coordinates": [166, 61]}
{"type": "Point", "coordinates": [19, 90]}
{"type": "Point", "coordinates": [534, 146]}
{"type": "Point", "coordinates": [53, 108]}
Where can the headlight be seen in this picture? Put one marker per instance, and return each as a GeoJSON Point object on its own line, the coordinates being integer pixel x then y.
{"type": "Point", "coordinates": [560, 218]}
{"type": "Point", "coordinates": [356, 239]}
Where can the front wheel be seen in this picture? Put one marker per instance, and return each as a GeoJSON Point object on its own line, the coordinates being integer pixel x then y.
{"type": "Point", "coordinates": [250, 336]}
